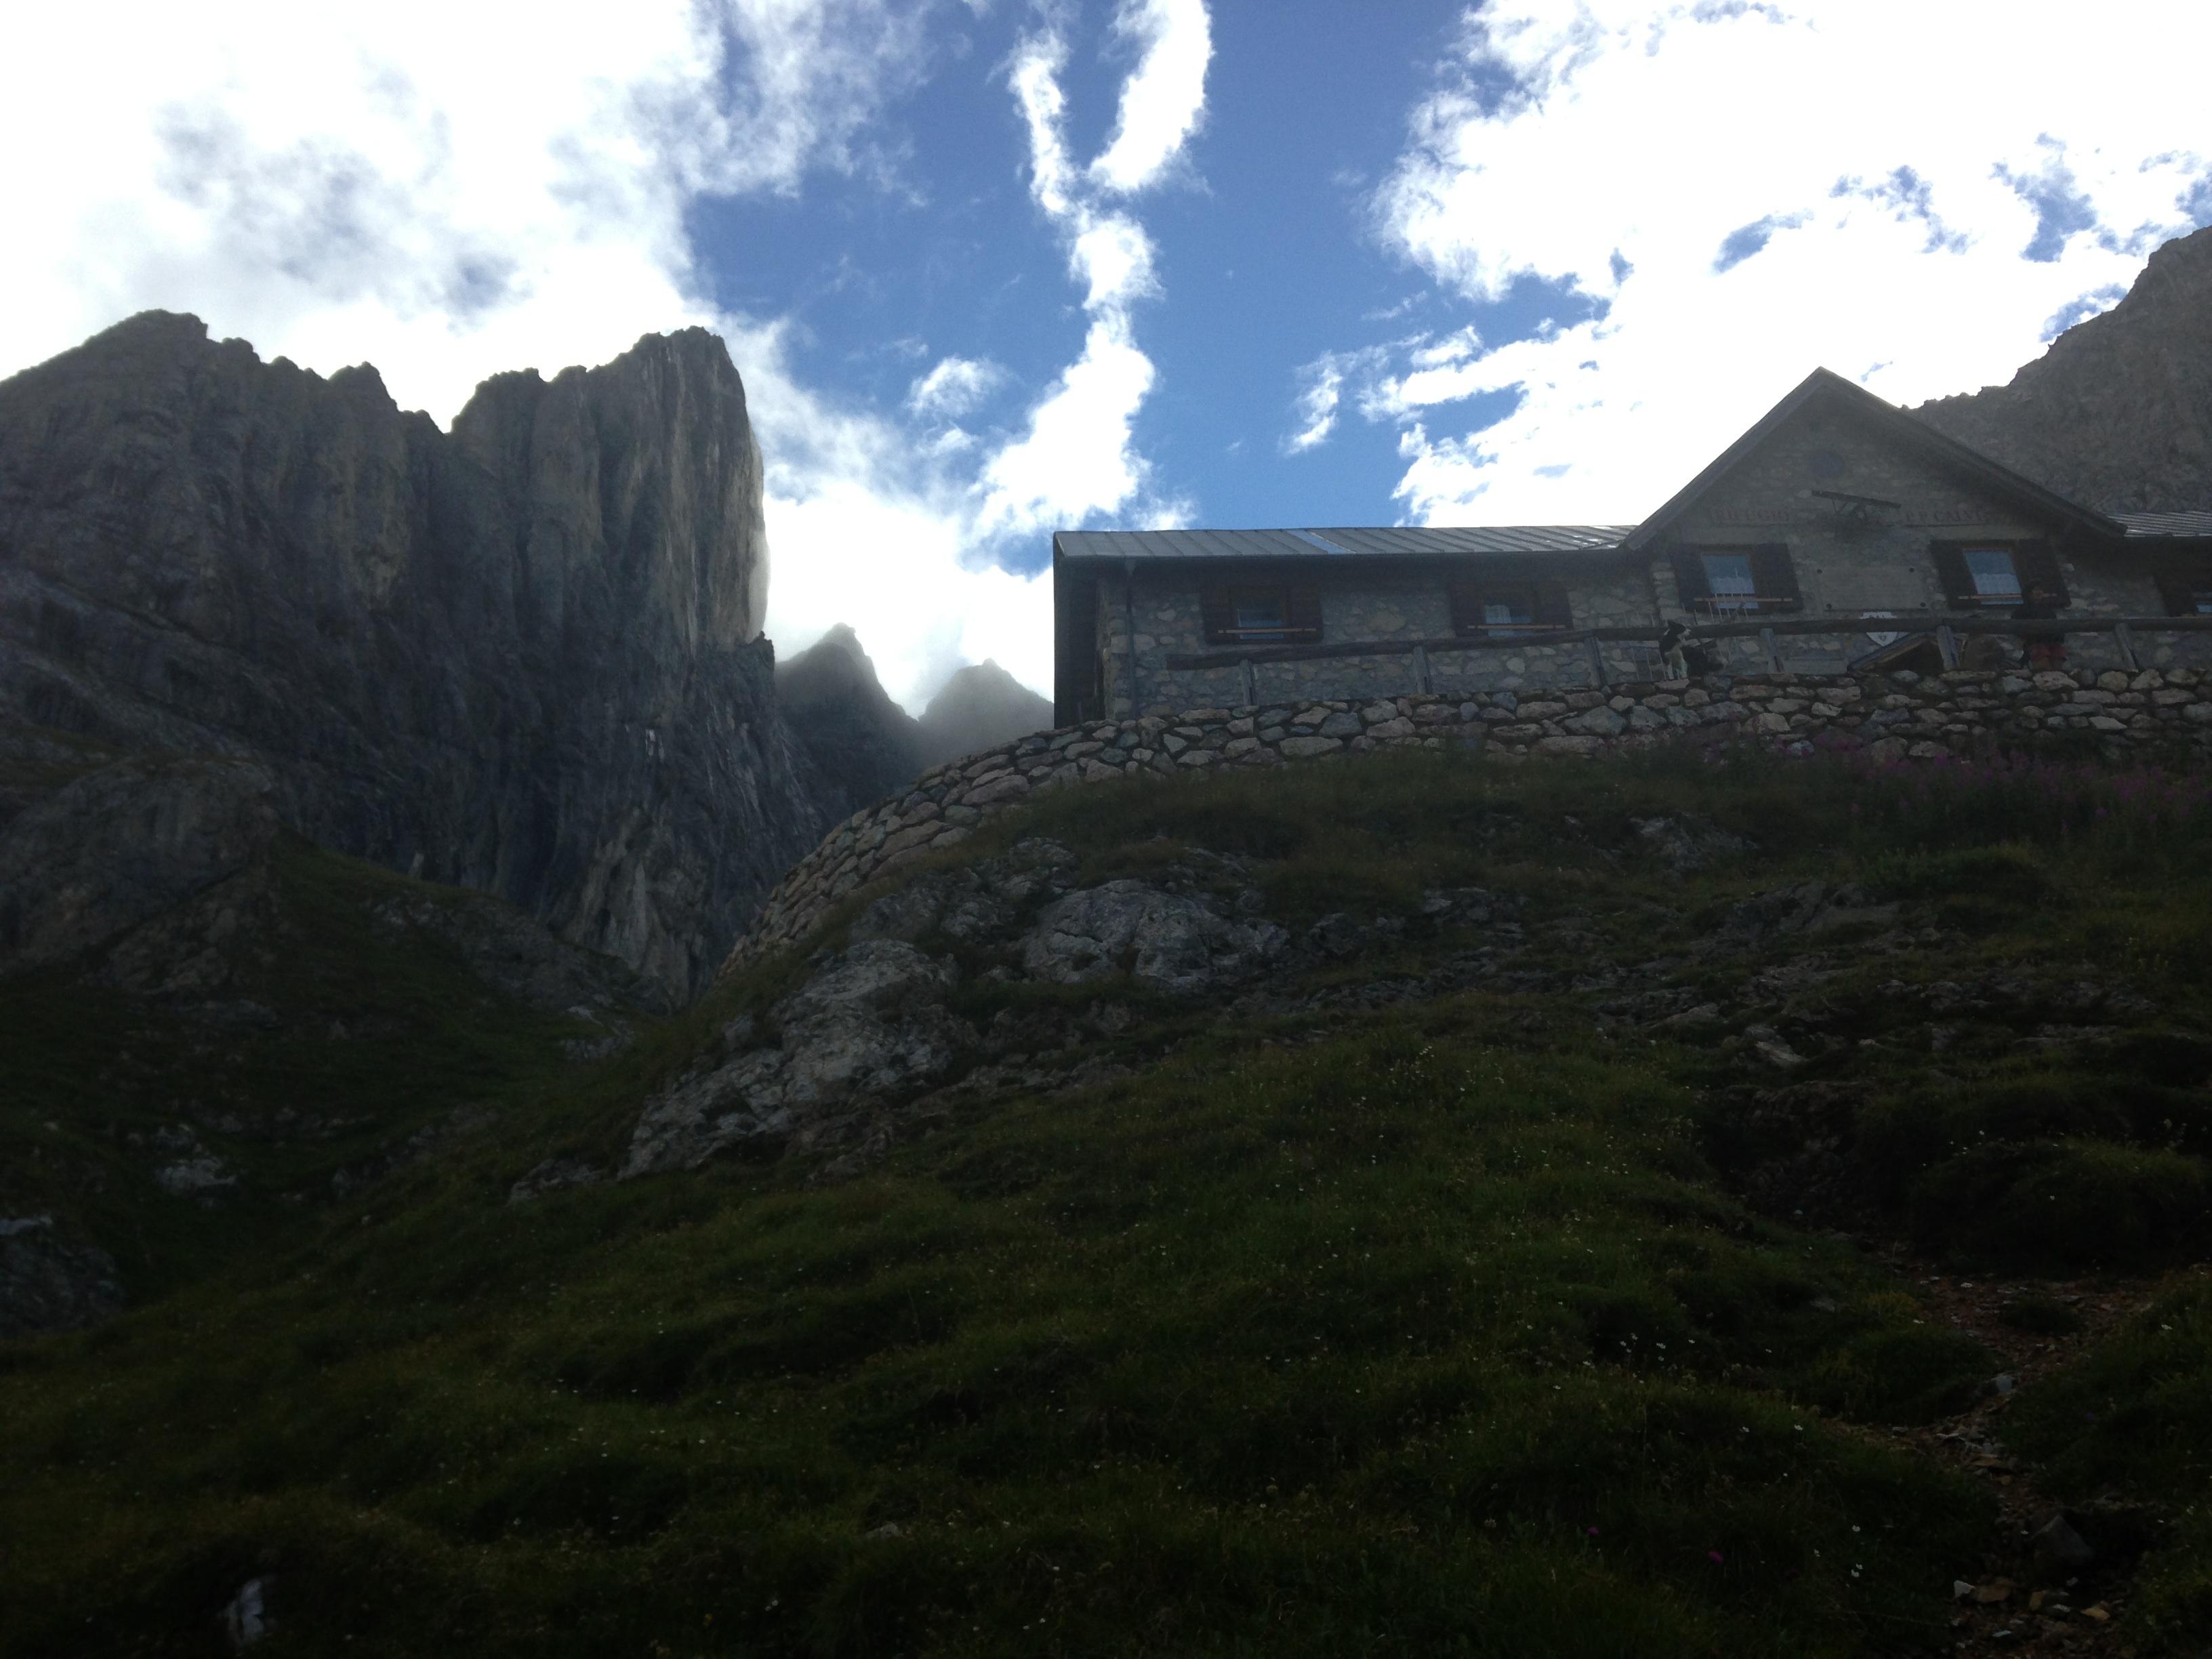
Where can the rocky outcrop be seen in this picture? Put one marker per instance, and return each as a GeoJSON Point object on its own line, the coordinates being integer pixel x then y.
{"type": "Point", "coordinates": [523, 657]}
{"type": "Point", "coordinates": [1174, 943]}
{"type": "Point", "coordinates": [873, 1029]}
{"type": "Point", "coordinates": [979, 707]}
{"type": "Point", "coordinates": [2117, 413]}
{"type": "Point", "coordinates": [861, 744]}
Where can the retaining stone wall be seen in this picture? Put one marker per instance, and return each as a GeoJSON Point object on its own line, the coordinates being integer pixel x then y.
{"type": "Point", "coordinates": [1893, 716]}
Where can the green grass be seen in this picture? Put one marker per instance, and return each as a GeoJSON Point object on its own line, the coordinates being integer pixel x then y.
{"type": "Point", "coordinates": [90, 1074]}
{"type": "Point", "coordinates": [1396, 1340]}
{"type": "Point", "coordinates": [1431, 1331]}
{"type": "Point", "coordinates": [2135, 1419]}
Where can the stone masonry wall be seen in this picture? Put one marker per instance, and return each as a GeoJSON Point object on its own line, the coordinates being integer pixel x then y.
{"type": "Point", "coordinates": [1891, 716]}
{"type": "Point", "coordinates": [1394, 609]}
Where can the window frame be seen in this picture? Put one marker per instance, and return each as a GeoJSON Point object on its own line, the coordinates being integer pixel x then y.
{"type": "Point", "coordinates": [1546, 599]}
{"type": "Point", "coordinates": [1298, 604]}
{"type": "Point", "coordinates": [1505, 596]}
{"type": "Point", "coordinates": [2034, 564]}
{"type": "Point", "coordinates": [1773, 573]}
{"type": "Point", "coordinates": [2018, 596]}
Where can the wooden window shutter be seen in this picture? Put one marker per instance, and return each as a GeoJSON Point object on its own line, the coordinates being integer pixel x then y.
{"type": "Point", "coordinates": [1774, 580]}
{"type": "Point", "coordinates": [1690, 587]}
{"type": "Point", "coordinates": [1302, 611]}
{"type": "Point", "coordinates": [1551, 609]}
{"type": "Point", "coordinates": [1218, 614]}
{"type": "Point", "coordinates": [2039, 567]}
{"type": "Point", "coordinates": [1466, 609]}
{"type": "Point", "coordinates": [1951, 571]}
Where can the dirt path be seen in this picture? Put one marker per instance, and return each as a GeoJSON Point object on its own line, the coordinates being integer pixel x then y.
{"type": "Point", "coordinates": [2018, 1597]}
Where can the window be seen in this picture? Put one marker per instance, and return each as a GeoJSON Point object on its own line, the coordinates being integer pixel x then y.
{"type": "Point", "coordinates": [2186, 587]}
{"type": "Point", "coordinates": [1506, 603]}
{"type": "Point", "coordinates": [1991, 571]}
{"type": "Point", "coordinates": [1271, 613]}
{"type": "Point", "coordinates": [1728, 579]}
{"type": "Point", "coordinates": [1509, 611]}
{"type": "Point", "coordinates": [1736, 581]}
{"type": "Point", "coordinates": [1990, 575]}
{"type": "Point", "coordinates": [1258, 611]}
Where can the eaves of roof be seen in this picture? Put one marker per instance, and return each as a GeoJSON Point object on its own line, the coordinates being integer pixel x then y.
{"type": "Point", "coordinates": [1343, 542]}
{"type": "Point", "coordinates": [1948, 451]}
{"type": "Point", "coordinates": [2166, 526]}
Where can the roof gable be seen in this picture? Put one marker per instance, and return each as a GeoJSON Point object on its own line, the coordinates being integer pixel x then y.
{"type": "Point", "coordinates": [1892, 424]}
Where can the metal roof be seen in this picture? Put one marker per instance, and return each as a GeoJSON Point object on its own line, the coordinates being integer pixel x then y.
{"type": "Point", "coordinates": [1342, 542]}
{"type": "Point", "coordinates": [2167, 524]}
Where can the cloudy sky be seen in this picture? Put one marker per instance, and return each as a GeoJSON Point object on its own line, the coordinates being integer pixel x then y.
{"type": "Point", "coordinates": [991, 267]}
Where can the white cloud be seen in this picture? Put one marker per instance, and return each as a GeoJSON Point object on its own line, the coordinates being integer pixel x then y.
{"type": "Point", "coordinates": [1163, 99]}
{"type": "Point", "coordinates": [1077, 460]}
{"type": "Point", "coordinates": [452, 191]}
{"type": "Point", "coordinates": [1905, 193]}
{"type": "Point", "coordinates": [1074, 457]}
{"type": "Point", "coordinates": [1077, 457]}
{"type": "Point", "coordinates": [955, 387]}
{"type": "Point", "coordinates": [1316, 403]}
{"type": "Point", "coordinates": [313, 178]}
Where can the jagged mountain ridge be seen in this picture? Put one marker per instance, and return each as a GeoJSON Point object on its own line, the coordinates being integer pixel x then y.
{"type": "Point", "coordinates": [2117, 413]}
{"type": "Point", "coordinates": [980, 707]}
{"type": "Point", "coordinates": [524, 656]}
{"type": "Point", "coordinates": [863, 746]}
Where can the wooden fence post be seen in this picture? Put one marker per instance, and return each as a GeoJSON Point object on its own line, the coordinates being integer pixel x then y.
{"type": "Point", "coordinates": [2126, 642]}
{"type": "Point", "coordinates": [1947, 645]}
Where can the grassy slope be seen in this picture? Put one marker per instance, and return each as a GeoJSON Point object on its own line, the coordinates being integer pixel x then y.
{"type": "Point", "coordinates": [1430, 1330]}
{"type": "Point", "coordinates": [92, 1076]}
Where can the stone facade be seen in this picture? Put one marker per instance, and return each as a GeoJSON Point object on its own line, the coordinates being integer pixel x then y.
{"type": "Point", "coordinates": [1399, 613]}
{"type": "Point", "coordinates": [1860, 498]}
{"type": "Point", "coordinates": [1892, 716]}
{"type": "Point", "coordinates": [1882, 561]}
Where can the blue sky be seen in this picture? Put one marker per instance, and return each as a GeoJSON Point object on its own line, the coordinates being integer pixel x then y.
{"type": "Point", "coordinates": [995, 267]}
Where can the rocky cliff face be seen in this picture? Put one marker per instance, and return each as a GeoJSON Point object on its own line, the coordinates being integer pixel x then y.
{"type": "Point", "coordinates": [523, 657]}
{"type": "Point", "coordinates": [2117, 413]}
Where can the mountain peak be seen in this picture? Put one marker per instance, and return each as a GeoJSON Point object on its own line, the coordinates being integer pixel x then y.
{"type": "Point", "coordinates": [2118, 412]}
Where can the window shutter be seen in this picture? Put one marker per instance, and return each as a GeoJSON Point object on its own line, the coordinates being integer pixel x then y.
{"type": "Point", "coordinates": [1690, 585]}
{"type": "Point", "coordinates": [2039, 567]}
{"type": "Point", "coordinates": [1218, 614]}
{"type": "Point", "coordinates": [1774, 580]}
{"type": "Point", "coordinates": [1552, 609]}
{"type": "Point", "coordinates": [1302, 611]}
{"type": "Point", "coordinates": [1467, 609]}
{"type": "Point", "coordinates": [1951, 571]}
